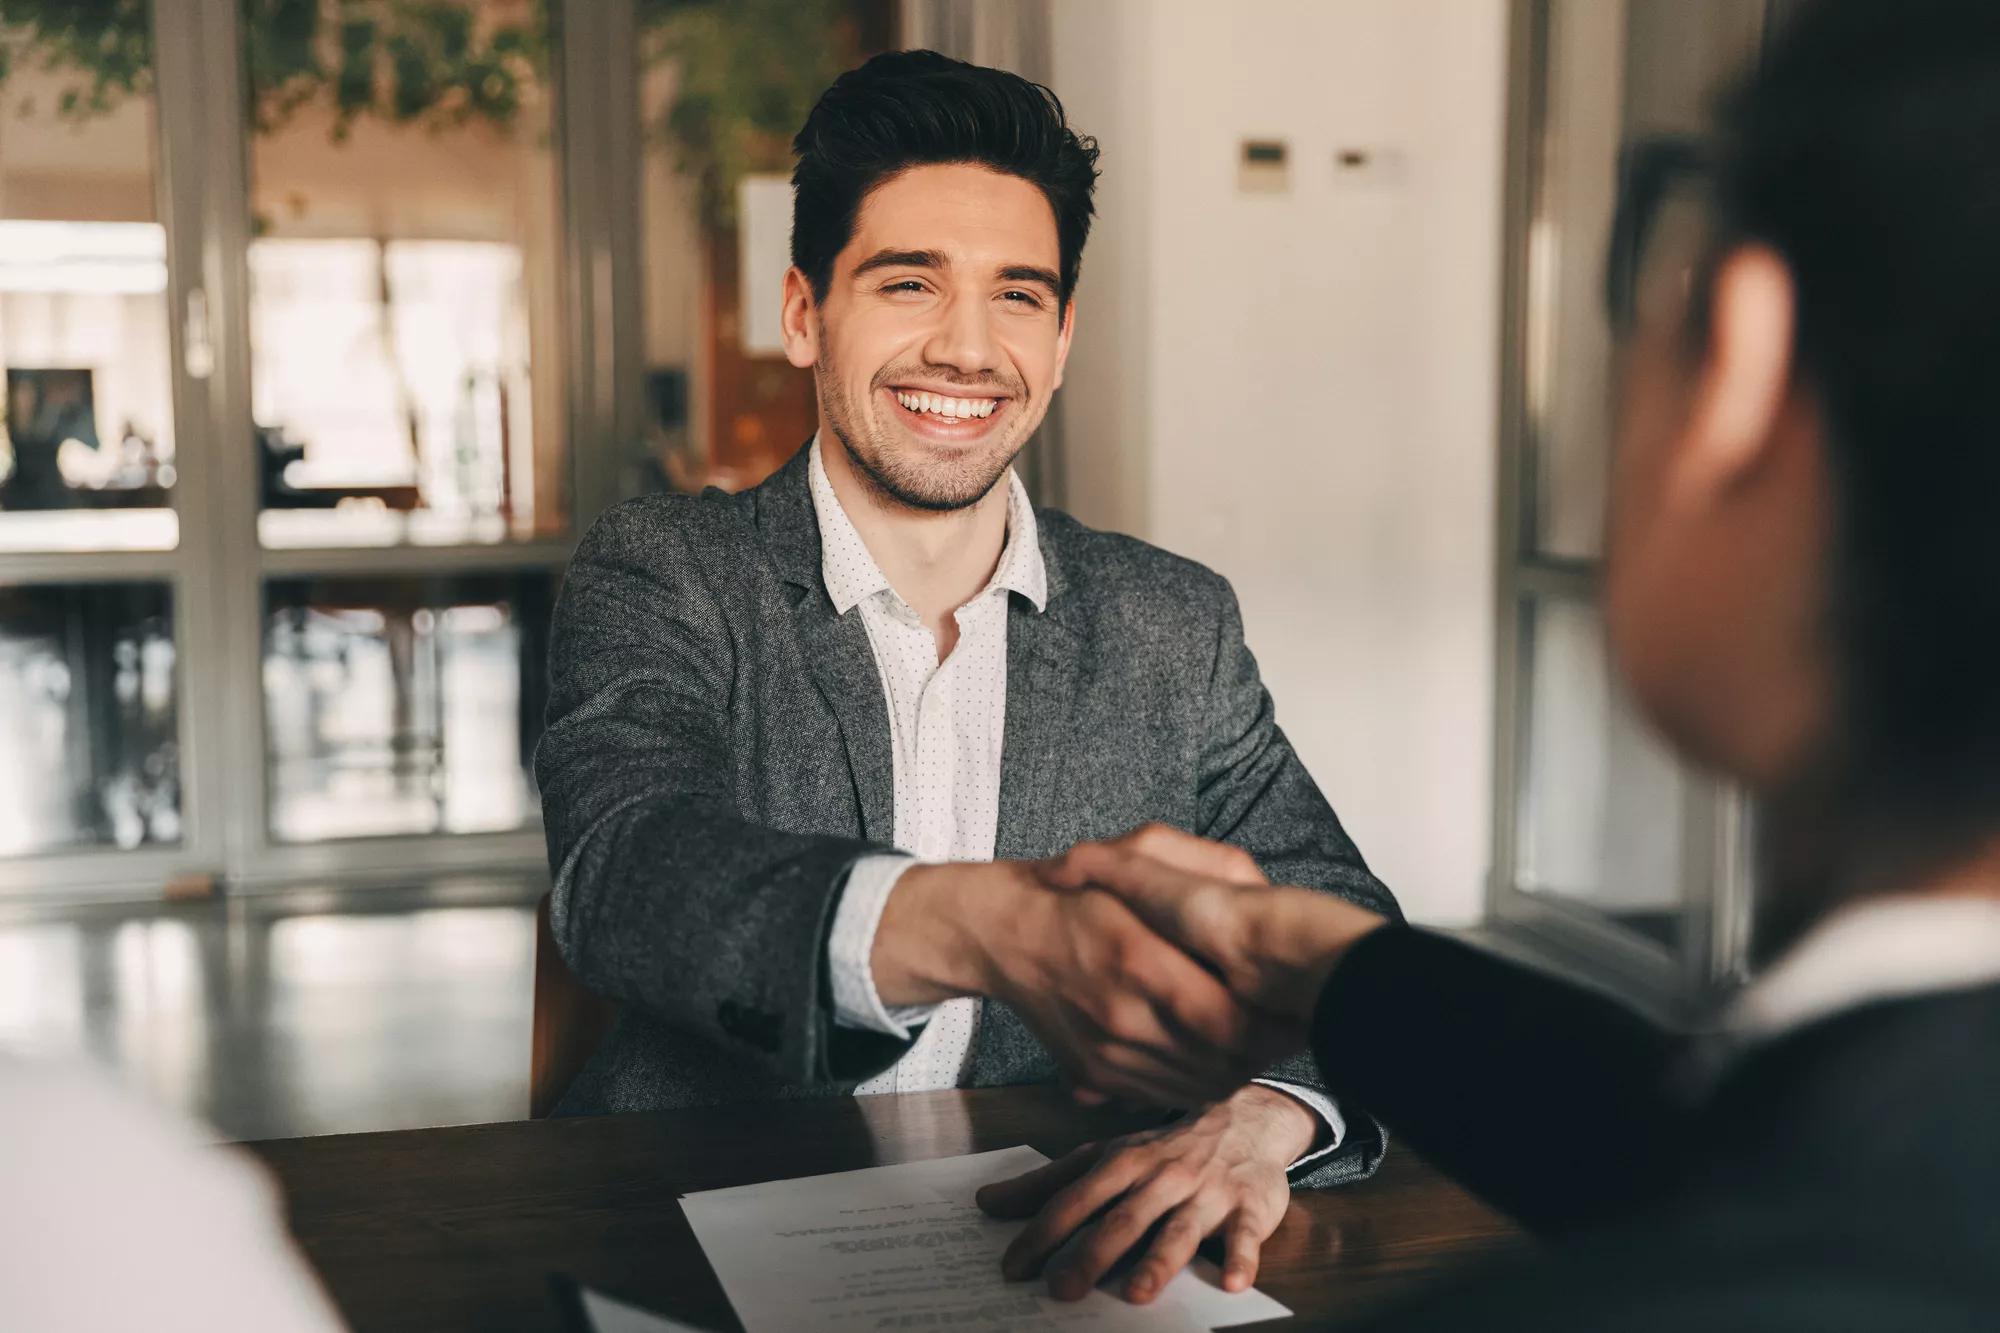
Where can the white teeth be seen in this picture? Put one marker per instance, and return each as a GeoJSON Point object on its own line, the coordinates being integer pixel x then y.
{"type": "Point", "coordinates": [952, 409]}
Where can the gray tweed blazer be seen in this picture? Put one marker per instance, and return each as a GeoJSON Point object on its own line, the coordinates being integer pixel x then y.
{"type": "Point", "coordinates": [717, 756]}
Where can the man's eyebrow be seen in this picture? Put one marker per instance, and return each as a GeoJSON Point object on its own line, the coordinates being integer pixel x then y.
{"type": "Point", "coordinates": [1030, 273]}
{"type": "Point", "coordinates": [933, 259]}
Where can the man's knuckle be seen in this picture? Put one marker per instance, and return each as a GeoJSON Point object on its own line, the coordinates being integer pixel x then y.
{"type": "Point", "coordinates": [1256, 1218]}
{"type": "Point", "coordinates": [1077, 1192]}
{"type": "Point", "coordinates": [1125, 1018]}
{"type": "Point", "coordinates": [1122, 1219]}
{"type": "Point", "coordinates": [1208, 908]}
{"type": "Point", "coordinates": [1200, 1014]}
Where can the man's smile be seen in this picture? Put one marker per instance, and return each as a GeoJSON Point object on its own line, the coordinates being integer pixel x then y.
{"type": "Point", "coordinates": [956, 418]}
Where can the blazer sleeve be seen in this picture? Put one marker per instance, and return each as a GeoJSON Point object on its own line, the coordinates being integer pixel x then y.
{"type": "Point", "coordinates": [665, 897]}
{"type": "Point", "coordinates": [1546, 1099]}
{"type": "Point", "coordinates": [1254, 792]}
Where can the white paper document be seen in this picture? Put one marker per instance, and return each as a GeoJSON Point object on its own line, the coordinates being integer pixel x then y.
{"type": "Point", "coordinates": [905, 1248]}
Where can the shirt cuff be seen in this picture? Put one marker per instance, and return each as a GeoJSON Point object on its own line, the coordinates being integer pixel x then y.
{"type": "Point", "coordinates": [1321, 1105]}
{"type": "Point", "coordinates": [850, 949]}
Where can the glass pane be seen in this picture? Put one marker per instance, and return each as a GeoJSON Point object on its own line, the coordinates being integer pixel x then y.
{"type": "Point", "coordinates": [673, 289]}
{"type": "Point", "coordinates": [88, 718]}
{"type": "Point", "coordinates": [404, 273]}
{"type": "Point", "coordinates": [722, 90]}
{"type": "Point", "coordinates": [1617, 71]}
{"type": "Point", "coordinates": [1599, 818]}
{"type": "Point", "coordinates": [404, 705]}
{"type": "Point", "coordinates": [87, 448]}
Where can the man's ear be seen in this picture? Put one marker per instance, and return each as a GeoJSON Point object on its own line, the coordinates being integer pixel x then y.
{"type": "Point", "coordinates": [1745, 381]}
{"type": "Point", "coordinates": [801, 326]}
{"type": "Point", "coordinates": [1063, 341]}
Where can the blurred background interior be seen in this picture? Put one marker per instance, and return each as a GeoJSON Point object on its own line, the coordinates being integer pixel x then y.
{"type": "Point", "coordinates": [329, 325]}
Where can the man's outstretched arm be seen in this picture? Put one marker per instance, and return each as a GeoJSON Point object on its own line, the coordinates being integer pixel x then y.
{"type": "Point", "coordinates": [667, 898]}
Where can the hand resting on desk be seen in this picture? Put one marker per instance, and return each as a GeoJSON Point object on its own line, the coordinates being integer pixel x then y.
{"type": "Point", "coordinates": [1223, 1169]}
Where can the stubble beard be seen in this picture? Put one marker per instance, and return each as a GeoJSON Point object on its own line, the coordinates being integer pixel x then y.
{"type": "Point", "coordinates": [899, 471]}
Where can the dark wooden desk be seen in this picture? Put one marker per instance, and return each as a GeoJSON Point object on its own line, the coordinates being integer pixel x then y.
{"type": "Point", "coordinates": [447, 1229]}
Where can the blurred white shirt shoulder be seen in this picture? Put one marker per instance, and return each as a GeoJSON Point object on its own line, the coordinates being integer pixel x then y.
{"type": "Point", "coordinates": [119, 1216]}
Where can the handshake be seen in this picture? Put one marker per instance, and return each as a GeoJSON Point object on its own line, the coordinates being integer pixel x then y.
{"type": "Point", "coordinates": [1159, 968]}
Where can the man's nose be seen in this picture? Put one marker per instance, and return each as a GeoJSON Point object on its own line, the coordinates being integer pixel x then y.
{"type": "Point", "coordinates": [963, 338]}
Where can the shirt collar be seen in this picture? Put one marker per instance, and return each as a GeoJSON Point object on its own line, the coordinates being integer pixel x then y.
{"type": "Point", "coordinates": [1880, 949]}
{"type": "Point", "coordinates": [852, 576]}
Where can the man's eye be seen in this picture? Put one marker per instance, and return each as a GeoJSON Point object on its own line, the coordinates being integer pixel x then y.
{"type": "Point", "coordinates": [1023, 298]}
{"type": "Point", "coordinates": [910, 285]}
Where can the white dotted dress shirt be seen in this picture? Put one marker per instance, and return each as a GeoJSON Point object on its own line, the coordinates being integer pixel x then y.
{"type": "Point", "coordinates": [947, 721]}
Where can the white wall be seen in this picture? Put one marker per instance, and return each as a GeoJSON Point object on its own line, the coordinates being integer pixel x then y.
{"type": "Point", "coordinates": [1299, 389]}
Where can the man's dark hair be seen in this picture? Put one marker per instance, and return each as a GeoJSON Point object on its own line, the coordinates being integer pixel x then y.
{"type": "Point", "coordinates": [1866, 151]}
{"type": "Point", "coordinates": [917, 108]}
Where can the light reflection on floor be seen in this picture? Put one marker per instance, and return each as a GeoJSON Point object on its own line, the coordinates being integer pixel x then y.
{"type": "Point", "coordinates": [270, 1021]}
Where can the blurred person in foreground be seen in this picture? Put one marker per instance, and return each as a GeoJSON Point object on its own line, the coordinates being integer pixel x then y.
{"type": "Point", "coordinates": [808, 745]}
{"type": "Point", "coordinates": [115, 1215]}
{"type": "Point", "coordinates": [1803, 593]}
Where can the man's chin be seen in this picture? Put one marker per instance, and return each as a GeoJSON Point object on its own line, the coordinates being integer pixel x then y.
{"type": "Point", "coordinates": [939, 480]}
{"type": "Point", "coordinates": [937, 496]}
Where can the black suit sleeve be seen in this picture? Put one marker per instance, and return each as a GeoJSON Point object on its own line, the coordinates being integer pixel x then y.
{"type": "Point", "coordinates": [1544, 1098]}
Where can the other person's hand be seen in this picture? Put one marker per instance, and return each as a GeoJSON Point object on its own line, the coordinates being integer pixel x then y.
{"type": "Point", "coordinates": [1274, 946]}
{"type": "Point", "coordinates": [1158, 1194]}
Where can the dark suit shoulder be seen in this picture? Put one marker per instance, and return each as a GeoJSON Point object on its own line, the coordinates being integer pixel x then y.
{"type": "Point", "coordinates": [1129, 578]}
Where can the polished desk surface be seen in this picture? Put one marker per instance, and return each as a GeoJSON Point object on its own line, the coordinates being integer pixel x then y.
{"type": "Point", "coordinates": [444, 1229]}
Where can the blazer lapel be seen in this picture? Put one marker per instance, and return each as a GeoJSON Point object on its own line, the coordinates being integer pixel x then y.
{"type": "Point", "coordinates": [835, 647]}
{"type": "Point", "coordinates": [1042, 666]}
{"type": "Point", "coordinates": [1044, 661]}
{"type": "Point", "coordinates": [843, 670]}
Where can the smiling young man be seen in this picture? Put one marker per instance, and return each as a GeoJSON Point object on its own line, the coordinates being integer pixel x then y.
{"type": "Point", "coordinates": [807, 744]}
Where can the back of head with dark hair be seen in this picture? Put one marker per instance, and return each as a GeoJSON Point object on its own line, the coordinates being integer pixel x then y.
{"type": "Point", "coordinates": [1866, 151]}
{"type": "Point", "coordinates": [917, 108]}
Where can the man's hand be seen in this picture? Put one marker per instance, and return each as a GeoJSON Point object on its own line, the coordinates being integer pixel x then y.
{"type": "Point", "coordinates": [1125, 1013]}
{"type": "Point", "coordinates": [1223, 1169]}
{"type": "Point", "coordinates": [1274, 946]}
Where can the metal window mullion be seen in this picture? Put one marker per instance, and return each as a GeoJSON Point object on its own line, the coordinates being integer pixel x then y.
{"type": "Point", "coordinates": [1557, 580]}
{"type": "Point", "coordinates": [412, 561]}
{"type": "Point", "coordinates": [199, 604]}
{"type": "Point", "coordinates": [601, 177]}
{"type": "Point", "coordinates": [1527, 25]}
{"type": "Point", "coordinates": [1732, 927]}
{"type": "Point", "coordinates": [21, 569]}
{"type": "Point", "coordinates": [234, 756]}
{"type": "Point", "coordinates": [97, 874]}
{"type": "Point", "coordinates": [398, 858]}
{"type": "Point", "coordinates": [1583, 945]}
